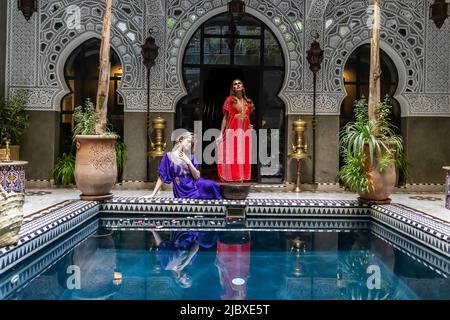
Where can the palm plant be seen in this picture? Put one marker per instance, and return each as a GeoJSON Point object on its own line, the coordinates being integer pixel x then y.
{"type": "Point", "coordinates": [64, 169]}
{"type": "Point", "coordinates": [366, 144]}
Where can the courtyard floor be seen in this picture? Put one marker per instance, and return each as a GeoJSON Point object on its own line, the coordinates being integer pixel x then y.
{"type": "Point", "coordinates": [429, 203]}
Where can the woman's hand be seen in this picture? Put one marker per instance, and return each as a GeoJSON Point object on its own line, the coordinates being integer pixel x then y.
{"type": "Point", "coordinates": [150, 196]}
{"type": "Point", "coordinates": [184, 157]}
{"type": "Point", "coordinates": [219, 139]}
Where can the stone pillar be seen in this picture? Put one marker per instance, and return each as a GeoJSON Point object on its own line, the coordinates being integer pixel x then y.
{"type": "Point", "coordinates": [327, 150]}
{"type": "Point", "coordinates": [40, 145]}
{"type": "Point", "coordinates": [135, 128]}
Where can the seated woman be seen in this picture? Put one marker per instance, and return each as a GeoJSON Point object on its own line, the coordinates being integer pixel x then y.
{"type": "Point", "coordinates": [180, 168]}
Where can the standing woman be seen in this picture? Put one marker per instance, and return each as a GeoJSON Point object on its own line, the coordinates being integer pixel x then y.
{"type": "Point", "coordinates": [234, 143]}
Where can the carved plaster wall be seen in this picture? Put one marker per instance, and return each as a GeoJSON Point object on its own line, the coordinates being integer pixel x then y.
{"type": "Point", "coordinates": [38, 49]}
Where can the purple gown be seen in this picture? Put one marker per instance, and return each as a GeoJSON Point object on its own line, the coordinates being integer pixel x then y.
{"type": "Point", "coordinates": [184, 184]}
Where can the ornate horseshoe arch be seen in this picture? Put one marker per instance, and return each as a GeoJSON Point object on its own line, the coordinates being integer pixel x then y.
{"type": "Point", "coordinates": [58, 42]}
{"type": "Point", "coordinates": [287, 33]}
{"type": "Point", "coordinates": [344, 29]}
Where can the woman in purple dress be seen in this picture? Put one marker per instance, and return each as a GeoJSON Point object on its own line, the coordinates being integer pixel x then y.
{"type": "Point", "coordinates": [180, 168]}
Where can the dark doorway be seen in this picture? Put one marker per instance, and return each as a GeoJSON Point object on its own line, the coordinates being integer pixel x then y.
{"type": "Point", "coordinates": [220, 52]}
{"type": "Point", "coordinates": [81, 75]}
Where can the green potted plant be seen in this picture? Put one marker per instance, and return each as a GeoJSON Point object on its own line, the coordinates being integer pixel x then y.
{"type": "Point", "coordinates": [63, 173]}
{"type": "Point", "coordinates": [13, 122]}
{"type": "Point", "coordinates": [95, 163]}
{"type": "Point", "coordinates": [370, 153]}
{"type": "Point", "coordinates": [369, 145]}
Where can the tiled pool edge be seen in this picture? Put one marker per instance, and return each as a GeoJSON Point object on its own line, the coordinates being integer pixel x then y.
{"type": "Point", "coordinates": [279, 214]}
{"type": "Point", "coordinates": [39, 233]}
{"type": "Point", "coordinates": [28, 272]}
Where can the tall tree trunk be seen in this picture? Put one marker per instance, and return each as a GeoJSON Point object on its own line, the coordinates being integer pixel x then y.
{"type": "Point", "coordinates": [104, 75]}
{"type": "Point", "coordinates": [375, 70]}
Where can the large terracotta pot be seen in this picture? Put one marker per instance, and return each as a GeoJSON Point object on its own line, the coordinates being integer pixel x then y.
{"type": "Point", "coordinates": [383, 182]}
{"type": "Point", "coordinates": [95, 166]}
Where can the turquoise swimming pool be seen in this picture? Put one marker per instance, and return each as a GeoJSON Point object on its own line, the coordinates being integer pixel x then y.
{"type": "Point", "coordinates": [186, 250]}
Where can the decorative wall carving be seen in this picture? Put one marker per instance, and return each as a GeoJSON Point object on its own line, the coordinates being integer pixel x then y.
{"type": "Point", "coordinates": [35, 48]}
{"type": "Point", "coordinates": [22, 47]}
{"type": "Point", "coordinates": [37, 98]}
{"type": "Point", "coordinates": [402, 28]}
{"type": "Point", "coordinates": [126, 39]}
{"type": "Point", "coordinates": [428, 104]}
{"type": "Point", "coordinates": [160, 100]}
{"type": "Point", "coordinates": [326, 103]}
{"type": "Point", "coordinates": [437, 57]}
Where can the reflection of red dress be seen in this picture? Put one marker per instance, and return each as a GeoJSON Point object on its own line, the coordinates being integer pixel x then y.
{"type": "Point", "coordinates": [234, 152]}
{"type": "Point", "coordinates": [233, 261]}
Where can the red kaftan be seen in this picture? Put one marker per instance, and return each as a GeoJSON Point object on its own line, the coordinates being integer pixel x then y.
{"type": "Point", "coordinates": [234, 152]}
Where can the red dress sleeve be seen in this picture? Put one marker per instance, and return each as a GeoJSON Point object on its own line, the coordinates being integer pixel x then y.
{"type": "Point", "coordinates": [228, 104]}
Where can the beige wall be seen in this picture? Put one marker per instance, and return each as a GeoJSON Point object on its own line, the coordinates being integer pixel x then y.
{"type": "Point", "coordinates": [3, 5]}
{"type": "Point", "coordinates": [427, 148]}
{"type": "Point", "coordinates": [327, 150]}
{"type": "Point", "coordinates": [135, 128]}
{"type": "Point", "coordinates": [40, 145]}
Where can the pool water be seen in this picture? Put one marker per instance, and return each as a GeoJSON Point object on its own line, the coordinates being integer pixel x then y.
{"type": "Point", "coordinates": [235, 265]}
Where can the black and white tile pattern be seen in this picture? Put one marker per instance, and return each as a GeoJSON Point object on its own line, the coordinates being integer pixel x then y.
{"type": "Point", "coordinates": [27, 272]}
{"type": "Point", "coordinates": [413, 249]}
{"type": "Point", "coordinates": [39, 233]}
{"type": "Point", "coordinates": [422, 228]}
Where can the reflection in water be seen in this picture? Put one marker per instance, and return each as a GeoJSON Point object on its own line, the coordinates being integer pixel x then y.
{"type": "Point", "coordinates": [217, 265]}
{"type": "Point", "coordinates": [233, 263]}
{"type": "Point", "coordinates": [176, 253]}
{"type": "Point", "coordinates": [95, 262]}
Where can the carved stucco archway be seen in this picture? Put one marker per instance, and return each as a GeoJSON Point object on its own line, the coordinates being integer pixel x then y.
{"type": "Point", "coordinates": [284, 30]}
{"type": "Point", "coordinates": [344, 29]}
{"type": "Point", "coordinates": [60, 65]}
{"type": "Point", "coordinates": [59, 42]}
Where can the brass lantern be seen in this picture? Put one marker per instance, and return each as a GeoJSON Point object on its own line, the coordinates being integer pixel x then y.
{"type": "Point", "coordinates": [315, 55]}
{"type": "Point", "coordinates": [28, 7]}
{"type": "Point", "coordinates": [149, 52]}
{"type": "Point", "coordinates": [439, 12]}
{"type": "Point", "coordinates": [236, 8]}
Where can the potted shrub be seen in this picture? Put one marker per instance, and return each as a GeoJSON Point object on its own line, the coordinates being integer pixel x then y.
{"type": "Point", "coordinates": [13, 122]}
{"type": "Point", "coordinates": [370, 153]}
{"type": "Point", "coordinates": [369, 145]}
{"type": "Point", "coordinates": [95, 164]}
{"type": "Point", "coordinates": [63, 173]}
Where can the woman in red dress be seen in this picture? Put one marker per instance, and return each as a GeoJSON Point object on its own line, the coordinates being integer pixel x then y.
{"type": "Point", "coordinates": [234, 144]}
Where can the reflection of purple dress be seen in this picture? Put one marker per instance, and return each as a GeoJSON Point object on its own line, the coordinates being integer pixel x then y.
{"type": "Point", "coordinates": [183, 241]}
{"type": "Point", "coordinates": [184, 184]}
